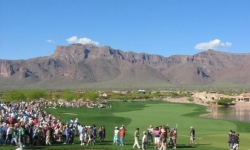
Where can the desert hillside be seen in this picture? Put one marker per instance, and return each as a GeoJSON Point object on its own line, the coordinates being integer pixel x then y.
{"type": "Point", "coordinates": [79, 66]}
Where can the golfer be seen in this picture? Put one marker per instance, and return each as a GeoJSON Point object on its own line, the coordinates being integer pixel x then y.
{"type": "Point", "coordinates": [192, 135]}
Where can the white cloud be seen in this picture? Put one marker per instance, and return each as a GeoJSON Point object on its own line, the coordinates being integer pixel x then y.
{"type": "Point", "coordinates": [50, 41]}
{"type": "Point", "coordinates": [84, 40]}
{"type": "Point", "coordinates": [214, 44]}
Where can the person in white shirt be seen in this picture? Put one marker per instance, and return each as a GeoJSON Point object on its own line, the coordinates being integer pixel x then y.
{"type": "Point", "coordinates": [115, 139]}
{"type": "Point", "coordinates": [81, 129]}
{"type": "Point", "coordinates": [76, 121]}
{"type": "Point", "coordinates": [136, 138]}
{"type": "Point", "coordinates": [144, 140]}
{"type": "Point", "coordinates": [9, 134]}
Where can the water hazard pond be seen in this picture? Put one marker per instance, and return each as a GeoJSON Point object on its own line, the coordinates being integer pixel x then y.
{"type": "Point", "coordinates": [229, 113]}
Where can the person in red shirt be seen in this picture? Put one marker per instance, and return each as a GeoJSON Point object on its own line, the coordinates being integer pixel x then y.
{"type": "Point", "coordinates": [122, 135]}
{"type": "Point", "coordinates": [11, 120]}
{"type": "Point", "coordinates": [35, 121]}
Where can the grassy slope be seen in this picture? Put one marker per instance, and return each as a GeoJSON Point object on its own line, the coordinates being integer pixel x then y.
{"type": "Point", "coordinates": [158, 114]}
{"type": "Point", "coordinates": [211, 134]}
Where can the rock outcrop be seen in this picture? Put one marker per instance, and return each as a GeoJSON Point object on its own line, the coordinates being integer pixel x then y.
{"type": "Point", "coordinates": [84, 64]}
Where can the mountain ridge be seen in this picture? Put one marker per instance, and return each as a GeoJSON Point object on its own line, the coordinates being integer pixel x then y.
{"type": "Point", "coordinates": [80, 65]}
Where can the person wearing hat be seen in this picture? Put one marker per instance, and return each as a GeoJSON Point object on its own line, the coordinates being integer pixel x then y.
{"type": "Point", "coordinates": [115, 139]}
{"type": "Point", "coordinates": [136, 138]}
{"type": "Point", "coordinates": [122, 135]}
{"type": "Point", "coordinates": [144, 140]}
{"type": "Point", "coordinates": [123, 127]}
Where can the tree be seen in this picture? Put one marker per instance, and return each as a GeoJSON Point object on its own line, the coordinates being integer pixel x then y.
{"type": "Point", "coordinates": [68, 95]}
{"type": "Point", "coordinates": [14, 96]}
{"type": "Point", "coordinates": [90, 95]}
{"type": "Point", "coordinates": [225, 101]}
{"type": "Point", "coordinates": [35, 94]}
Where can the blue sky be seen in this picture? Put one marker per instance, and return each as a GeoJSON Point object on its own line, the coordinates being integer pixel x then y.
{"type": "Point", "coordinates": [31, 28]}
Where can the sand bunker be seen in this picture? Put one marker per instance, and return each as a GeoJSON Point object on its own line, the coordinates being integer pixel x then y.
{"type": "Point", "coordinates": [185, 100]}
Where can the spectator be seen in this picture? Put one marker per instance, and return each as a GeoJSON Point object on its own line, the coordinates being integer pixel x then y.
{"type": "Point", "coordinates": [72, 134]}
{"type": "Point", "coordinates": [103, 133]}
{"type": "Point", "coordinates": [48, 136]}
{"type": "Point", "coordinates": [115, 139]}
{"type": "Point", "coordinates": [9, 133]}
{"type": "Point", "coordinates": [236, 140]}
{"type": "Point", "coordinates": [100, 132]}
{"type": "Point", "coordinates": [157, 137]}
{"type": "Point", "coordinates": [14, 136]}
{"type": "Point", "coordinates": [67, 134]}
{"type": "Point", "coordinates": [21, 137]}
{"type": "Point", "coordinates": [82, 134]}
{"type": "Point", "coordinates": [150, 133]}
{"type": "Point", "coordinates": [144, 140]}
{"type": "Point", "coordinates": [163, 142]}
{"type": "Point", "coordinates": [90, 135]}
{"type": "Point", "coordinates": [232, 140]}
{"type": "Point", "coordinates": [136, 138]}
{"type": "Point", "coordinates": [174, 137]}
{"type": "Point", "coordinates": [122, 136]}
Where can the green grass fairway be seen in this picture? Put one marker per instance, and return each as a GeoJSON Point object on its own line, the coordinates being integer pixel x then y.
{"type": "Point", "coordinates": [211, 134]}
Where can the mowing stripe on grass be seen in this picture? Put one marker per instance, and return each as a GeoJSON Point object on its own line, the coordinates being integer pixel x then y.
{"type": "Point", "coordinates": [189, 136]}
{"type": "Point", "coordinates": [70, 114]}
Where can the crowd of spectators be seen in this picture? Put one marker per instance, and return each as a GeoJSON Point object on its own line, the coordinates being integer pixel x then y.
{"type": "Point", "coordinates": [26, 124]}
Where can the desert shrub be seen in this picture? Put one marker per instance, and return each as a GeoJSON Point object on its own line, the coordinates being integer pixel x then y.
{"type": "Point", "coordinates": [191, 99]}
{"type": "Point", "coordinates": [90, 95]}
{"type": "Point", "coordinates": [14, 96]}
{"type": "Point", "coordinates": [115, 96]}
{"type": "Point", "coordinates": [68, 95]}
{"type": "Point", "coordinates": [177, 95]}
{"type": "Point", "coordinates": [35, 94]}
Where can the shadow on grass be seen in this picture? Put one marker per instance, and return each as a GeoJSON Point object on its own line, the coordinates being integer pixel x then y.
{"type": "Point", "coordinates": [34, 147]}
{"type": "Point", "coordinates": [63, 148]}
{"type": "Point", "coordinates": [190, 146]}
{"type": "Point", "coordinates": [184, 146]}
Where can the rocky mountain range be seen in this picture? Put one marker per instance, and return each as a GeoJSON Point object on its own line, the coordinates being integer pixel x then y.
{"type": "Point", "coordinates": [80, 66]}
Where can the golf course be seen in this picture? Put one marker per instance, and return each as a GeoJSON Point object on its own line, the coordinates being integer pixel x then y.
{"type": "Point", "coordinates": [211, 134]}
